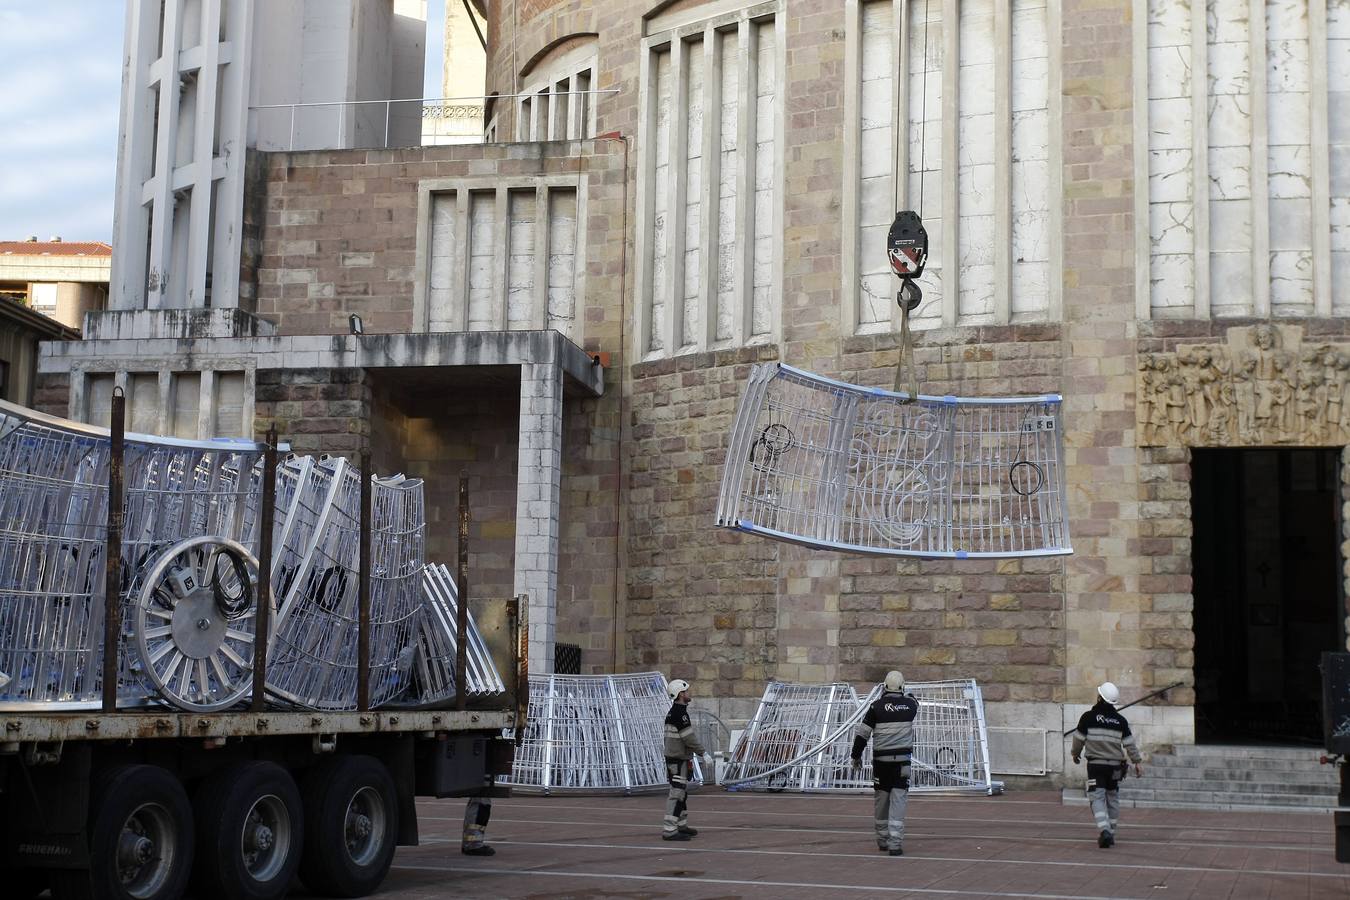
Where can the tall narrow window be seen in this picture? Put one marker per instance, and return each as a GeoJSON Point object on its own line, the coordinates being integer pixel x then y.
{"type": "Point", "coordinates": [710, 183]}
{"type": "Point", "coordinates": [502, 254]}
{"type": "Point", "coordinates": [557, 104]}
{"type": "Point", "coordinates": [520, 272]}
{"type": "Point", "coordinates": [1247, 187]}
{"type": "Point", "coordinates": [974, 100]}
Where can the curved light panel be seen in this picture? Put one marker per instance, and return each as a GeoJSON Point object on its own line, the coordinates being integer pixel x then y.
{"type": "Point", "coordinates": [839, 466]}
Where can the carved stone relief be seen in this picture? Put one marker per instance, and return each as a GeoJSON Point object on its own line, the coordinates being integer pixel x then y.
{"type": "Point", "coordinates": [1262, 387]}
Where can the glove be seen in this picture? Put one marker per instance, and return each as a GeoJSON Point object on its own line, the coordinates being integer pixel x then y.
{"type": "Point", "coordinates": [857, 762]}
{"type": "Point", "coordinates": [1138, 770]}
{"type": "Point", "coordinates": [1076, 760]}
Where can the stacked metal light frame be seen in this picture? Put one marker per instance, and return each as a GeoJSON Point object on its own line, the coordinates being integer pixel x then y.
{"type": "Point", "coordinates": [190, 536]}
{"type": "Point", "coordinates": [312, 658]}
{"type": "Point", "coordinates": [593, 733]}
{"type": "Point", "coordinates": [839, 466]}
{"type": "Point", "coordinates": [801, 739]}
{"type": "Point", "coordinates": [438, 645]}
{"type": "Point", "coordinates": [53, 517]}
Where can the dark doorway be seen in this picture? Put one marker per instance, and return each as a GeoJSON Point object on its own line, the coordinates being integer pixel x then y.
{"type": "Point", "coordinates": [1268, 590]}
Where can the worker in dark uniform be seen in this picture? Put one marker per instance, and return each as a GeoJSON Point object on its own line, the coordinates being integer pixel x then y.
{"type": "Point", "coordinates": [1104, 735]}
{"type": "Point", "coordinates": [682, 745]}
{"type": "Point", "coordinates": [889, 723]}
{"type": "Point", "coordinates": [476, 815]}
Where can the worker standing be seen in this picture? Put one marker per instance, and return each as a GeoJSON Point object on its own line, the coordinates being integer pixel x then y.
{"type": "Point", "coordinates": [889, 723]}
{"type": "Point", "coordinates": [681, 746]}
{"type": "Point", "coordinates": [1104, 735]}
{"type": "Point", "coordinates": [476, 815]}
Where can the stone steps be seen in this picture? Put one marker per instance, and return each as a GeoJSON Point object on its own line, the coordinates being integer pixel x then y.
{"type": "Point", "coordinates": [1225, 776]}
{"type": "Point", "coordinates": [1214, 801]}
{"type": "Point", "coordinates": [1229, 777]}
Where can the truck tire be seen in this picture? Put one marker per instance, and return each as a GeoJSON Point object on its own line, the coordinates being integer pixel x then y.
{"type": "Point", "coordinates": [352, 811]}
{"type": "Point", "coordinates": [250, 833]}
{"type": "Point", "coordinates": [140, 839]}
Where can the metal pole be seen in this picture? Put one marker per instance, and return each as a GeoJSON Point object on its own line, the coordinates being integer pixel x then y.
{"type": "Point", "coordinates": [462, 588]}
{"type": "Point", "coordinates": [342, 109]}
{"type": "Point", "coordinates": [262, 621]}
{"type": "Point", "coordinates": [363, 595]}
{"type": "Point", "coordinates": [522, 666]}
{"type": "Point", "coordinates": [292, 146]}
{"type": "Point", "coordinates": [112, 585]}
{"type": "Point", "coordinates": [387, 104]}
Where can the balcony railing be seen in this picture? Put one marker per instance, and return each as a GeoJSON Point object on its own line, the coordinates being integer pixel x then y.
{"type": "Point", "coordinates": [382, 124]}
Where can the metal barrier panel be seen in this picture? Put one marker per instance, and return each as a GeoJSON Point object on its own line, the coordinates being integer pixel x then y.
{"type": "Point", "coordinates": [838, 466]}
{"type": "Point", "coordinates": [801, 739]}
{"type": "Point", "coordinates": [602, 733]}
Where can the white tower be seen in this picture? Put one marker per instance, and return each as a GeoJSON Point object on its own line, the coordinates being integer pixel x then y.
{"type": "Point", "coordinates": [192, 69]}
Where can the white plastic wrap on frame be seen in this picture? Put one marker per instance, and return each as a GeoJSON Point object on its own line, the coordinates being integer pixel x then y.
{"type": "Point", "coordinates": [837, 466]}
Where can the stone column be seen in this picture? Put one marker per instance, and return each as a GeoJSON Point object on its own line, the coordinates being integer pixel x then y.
{"type": "Point", "coordinates": [538, 485]}
{"type": "Point", "coordinates": [1109, 588]}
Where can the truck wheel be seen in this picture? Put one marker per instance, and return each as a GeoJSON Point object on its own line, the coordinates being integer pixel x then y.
{"type": "Point", "coordinates": [352, 812]}
{"type": "Point", "coordinates": [250, 830]}
{"type": "Point", "coordinates": [140, 839]}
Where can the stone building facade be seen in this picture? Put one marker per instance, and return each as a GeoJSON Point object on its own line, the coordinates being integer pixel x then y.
{"type": "Point", "coordinates": [681, 190]}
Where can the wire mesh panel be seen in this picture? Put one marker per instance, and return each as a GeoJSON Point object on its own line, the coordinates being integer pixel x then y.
{"type": "Point", "coordinates": [53, 520]}
{"type": "Point", "coordinates": [312, 660]}
{"type": "Point", "coordinates": [53, 510]}
{"type": "Point", "coordinates": [793, 720]}
{"type": "Point", "coordinates": [593, 733]}
{"type": "Point", "coordinates": [438, 641]}
{"type": "Point", "coordinates": [776, 751]}
{"type": "Point", "coordinates": [842, 467]}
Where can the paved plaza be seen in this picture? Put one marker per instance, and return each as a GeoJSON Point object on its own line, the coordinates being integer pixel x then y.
{"type": "Point", "coordinates": [793, 846]}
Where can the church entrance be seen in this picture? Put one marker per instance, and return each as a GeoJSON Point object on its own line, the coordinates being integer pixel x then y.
{"type": "Point", "coordinates": [1268, 590]}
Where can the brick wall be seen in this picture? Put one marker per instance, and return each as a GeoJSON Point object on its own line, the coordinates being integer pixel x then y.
{"type": "Point", "coordinates": [588, 582]}
{"type": "Point", "coordinates": [702, 603]}
{"type": "Point", "coordinates": [341, 226]}
{"type": "Point", "coordinates": [51, 394]}
{"type": "Point", "coordinates": [317, 410]}
{"type": "Point", "coordinates": [435, 434]}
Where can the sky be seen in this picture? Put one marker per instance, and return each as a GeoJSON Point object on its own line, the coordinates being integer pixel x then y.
{"type": "Point", "coordinates": [60, 88]}
{"type": "Point", "coordinates": [60, 85]}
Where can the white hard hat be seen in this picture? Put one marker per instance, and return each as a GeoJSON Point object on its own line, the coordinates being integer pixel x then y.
{"type": "Point", "coordinates": [677, 687]}
{"type": "Point", "coordinates": [1109, 692]}
{"type": "Point", "coordinates": [894, 681]}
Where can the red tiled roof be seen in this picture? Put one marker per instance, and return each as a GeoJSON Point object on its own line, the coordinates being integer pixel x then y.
{"type": "Point", "coordinates": [55, 248]}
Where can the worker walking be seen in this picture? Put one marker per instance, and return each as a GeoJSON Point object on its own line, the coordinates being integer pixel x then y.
{"type": "Point", "coordinates": [476, 815]}
{"type": "Point", "coordinates": [1104, 735]}
{"type": "Point", "coordinates": [889, 723]}
{"type": "Point", "coordinates": [681, 746]}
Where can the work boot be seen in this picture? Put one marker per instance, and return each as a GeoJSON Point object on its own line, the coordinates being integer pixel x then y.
{"type": "Point", "coordinates": [1105, 840]}
{"type": "Point", "coordinates": [677, 836]}
{"type": "Point", "coordinates": [685, 829]}
{"type": "Point", "coordinates": [478, 850]}
{"type": "Point", "coordinates": [897, 851]}
{"type": "Point", "coordinates": [882, 847]}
